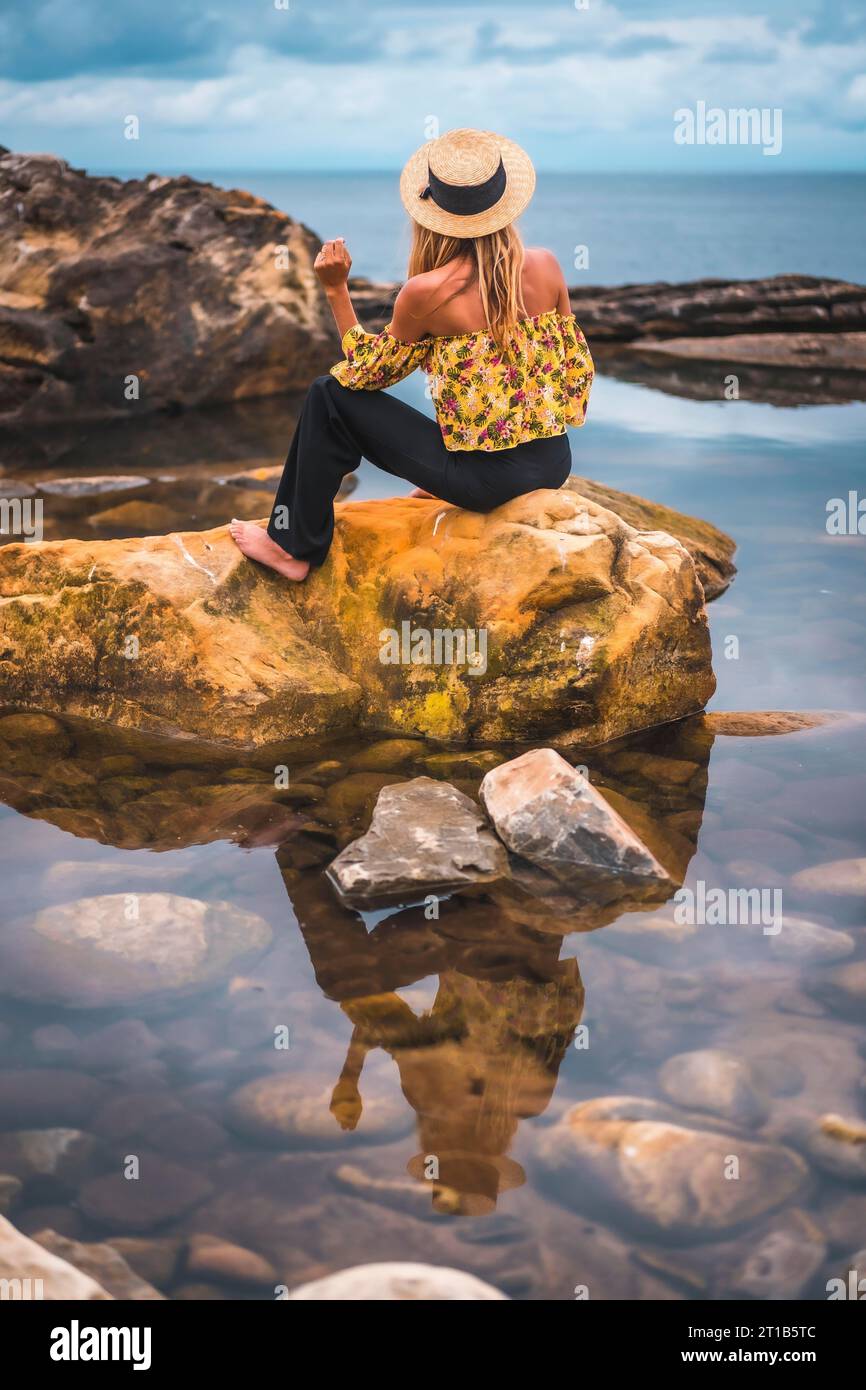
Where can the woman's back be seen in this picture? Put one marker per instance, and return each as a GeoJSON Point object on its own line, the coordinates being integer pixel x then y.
{"type": "Point", "coordinates": [447, 301]}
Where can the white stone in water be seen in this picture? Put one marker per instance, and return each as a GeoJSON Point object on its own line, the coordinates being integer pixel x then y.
{"type": "Point", "coordinates": [625, 1155]}
{"type": "Point", "coordinates": [425, 836]}
{"type": "Point", "coordinates": [92, 487]}
{"type": "Point", "coordinates": [123, 948]}
{"type": "Point", "coordinates": [399, 1283]}
{"type": "Point", "coordinates": [549, 813]}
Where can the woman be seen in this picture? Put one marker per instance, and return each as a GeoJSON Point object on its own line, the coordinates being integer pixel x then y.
{"type": "Point", "coordinates": [491, 324]}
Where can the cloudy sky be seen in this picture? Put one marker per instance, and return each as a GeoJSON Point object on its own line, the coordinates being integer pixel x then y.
{"type": "Point", "coordinates": [329, 84]}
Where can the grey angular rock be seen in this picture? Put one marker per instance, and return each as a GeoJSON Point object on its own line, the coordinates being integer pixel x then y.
{"type": "Point", "coordinates": [550, 814]}
{"type": "Point", "coordinates": [398, 1283]}
{"type": "Point", "coordinates": [425, 837]}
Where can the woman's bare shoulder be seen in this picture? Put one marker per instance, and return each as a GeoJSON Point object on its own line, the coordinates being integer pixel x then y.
{"type": "Point", "coordinates": [543, 280]}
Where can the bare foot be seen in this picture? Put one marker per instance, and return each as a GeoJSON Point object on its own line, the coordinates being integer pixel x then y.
{"type": "Point", "coordinates": [419, 492]}
{"type": "Point", "coordinates": [256, 544]}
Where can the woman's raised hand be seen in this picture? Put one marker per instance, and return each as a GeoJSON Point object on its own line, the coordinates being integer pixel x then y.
{"type": "Point", "coordinates": [333, 263]}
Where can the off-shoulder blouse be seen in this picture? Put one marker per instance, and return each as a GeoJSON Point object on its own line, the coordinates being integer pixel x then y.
{"type": "Point", "coordinates": [484, 398]}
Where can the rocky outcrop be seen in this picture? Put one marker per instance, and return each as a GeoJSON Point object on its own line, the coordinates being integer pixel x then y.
{"type": "Point", "coordinates": [710, 308]}
{"type": "Point", "coordinates": [550, 617]}
{"type": "Point", "coordinates": [201, 294]}
{"type": "Point", "coordinates": [791, 338]}
{"type": "Point", "coordinates": [718, 308]}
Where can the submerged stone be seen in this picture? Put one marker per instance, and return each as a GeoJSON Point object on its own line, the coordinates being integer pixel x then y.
{"type": "Point", "coordinates": [714, 1080]}
{"type": "Point", "coordinates": [398, 1283]}
{"type": "Point", "coordinates": [292, 1113]}
{"type": "Point", "coordinates": [120, 948]}
{"type": "Point", "coordinates": [626, 1156]}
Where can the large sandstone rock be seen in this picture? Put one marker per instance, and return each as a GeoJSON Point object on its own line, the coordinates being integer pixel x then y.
{"type": "Point", "coordinates": [591, 628]}
{"type": "Point", "coordinates": [709, 547]}
{"type": "Point", "coordinates": [204, 294]}
{"type": "Point", "coordinates": [425, 837]}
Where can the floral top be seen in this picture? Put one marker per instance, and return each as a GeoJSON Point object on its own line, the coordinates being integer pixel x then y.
{"type": "Point", "coordinates": [484, 398]}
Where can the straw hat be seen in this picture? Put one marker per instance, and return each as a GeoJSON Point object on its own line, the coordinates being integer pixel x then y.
{"type": "Point", "coordinates": [467, 183]}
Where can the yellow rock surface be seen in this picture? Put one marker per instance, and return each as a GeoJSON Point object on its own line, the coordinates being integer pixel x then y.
{"type": "Point", "coordinates": [589, 628]}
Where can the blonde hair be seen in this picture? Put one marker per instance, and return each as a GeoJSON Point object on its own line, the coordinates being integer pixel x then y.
{"type": "Point", "coordinates": [495, 262]}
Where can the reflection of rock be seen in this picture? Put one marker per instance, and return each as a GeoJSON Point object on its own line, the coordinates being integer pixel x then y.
{"type": "Point", "coordinates": [104, 276]}
{"type": "Point", "coordinates": [549, 813]}
{"type": "Point", "coordinates": [810, 376]}
{"type": "Point", "coordinates": [92, 487]}
{"type": "Point", "coordinates": [119, 948]}
{"type": "Point", "coordinates": [591, 629]}
{"type": "Point", "coordinates": [716, 1081]}
{"type": "Point", "coordinates": [633, 1158]}
{"type": "Point", "coordinates": [22, 1259]}
{"type": "Point", "coordinates": [425, 837]}
{"type": "Point", "coordinates": [398, 1283]}
{"type": "Point", "coordinates": [766, 722]}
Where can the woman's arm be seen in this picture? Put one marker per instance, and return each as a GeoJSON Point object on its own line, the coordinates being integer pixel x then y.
{"type": "Point", "coordinates": [332, 265]}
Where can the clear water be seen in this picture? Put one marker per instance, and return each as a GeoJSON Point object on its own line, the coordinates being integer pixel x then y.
{"type": "Point", "coordinates": [466, 1027]}
{"type": "Point", "coordinates": [753, 812]}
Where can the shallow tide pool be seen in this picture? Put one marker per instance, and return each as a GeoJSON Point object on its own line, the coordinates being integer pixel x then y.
{"type": "Point", "coordinates": [324, 1087]}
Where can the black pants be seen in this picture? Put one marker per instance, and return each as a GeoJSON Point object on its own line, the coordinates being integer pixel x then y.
{"type": "Point", "coordinates": [339, 427]}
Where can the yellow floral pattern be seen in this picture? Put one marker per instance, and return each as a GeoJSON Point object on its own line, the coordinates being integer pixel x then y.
{"type": "Point", "coordinates": [485, 398]}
